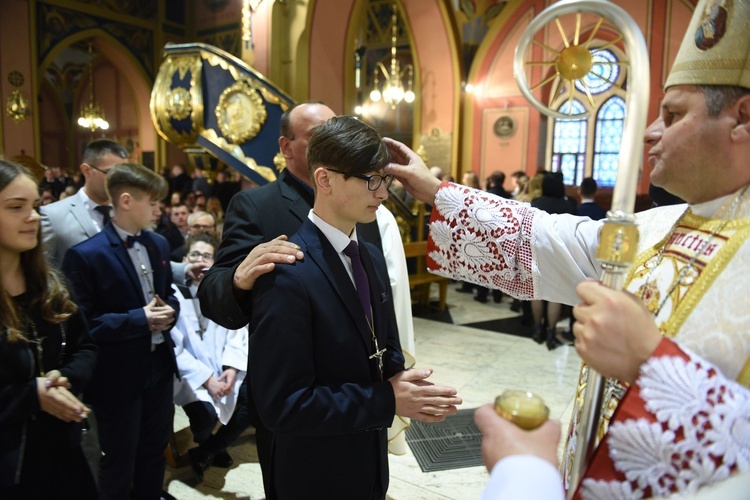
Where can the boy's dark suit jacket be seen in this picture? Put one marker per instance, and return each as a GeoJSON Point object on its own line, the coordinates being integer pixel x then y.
{"type": "Point", "coordinates": [313, 382]}
{"type": "Point", "coordinates": [256, 216]}
{"type": "Point", "coordinates": [106, 287]}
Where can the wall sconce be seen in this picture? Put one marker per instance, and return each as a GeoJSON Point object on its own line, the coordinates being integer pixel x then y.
{"type": "Point", "coordinates": [393, 91]}
{"type": "Point", "coordinates": [17, 105]}
{"type": "Point", "coordinates": [92, 115]}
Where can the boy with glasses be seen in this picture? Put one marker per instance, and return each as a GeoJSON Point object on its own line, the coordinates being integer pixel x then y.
{"type": "Point", "coordinates": [197, 222]}
{"type": "Point", "coordinates": [212, 361]}
{"type": "Point", "coordinates": [325, 363]}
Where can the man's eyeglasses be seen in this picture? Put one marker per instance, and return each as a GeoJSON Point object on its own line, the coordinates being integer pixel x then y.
{"type": "Point", "coordinates": [193, 256]}
{"type": "Point", "coordinates": [202, 227]}
{"type": "Point", "coordinates": [105, 172]}
{"type": "Point", "coordinates": [373, 181]}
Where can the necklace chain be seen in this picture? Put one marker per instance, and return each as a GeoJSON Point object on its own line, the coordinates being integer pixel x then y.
{"type": "Point", "coordinates": [730, 212]}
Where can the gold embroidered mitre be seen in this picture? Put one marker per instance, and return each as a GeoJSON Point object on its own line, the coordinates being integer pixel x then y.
{"type": "Point", "coordinates": [716, 47]}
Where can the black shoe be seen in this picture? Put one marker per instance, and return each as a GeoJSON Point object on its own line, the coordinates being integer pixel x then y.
{"type": "Point", "coordinates": [464, 290]}
{"type": "Point", "coordinates": [552, 342]}
{"type": "Point", "coordinates": [516, 305]}
{"type": "Point", "coordinates": [199, 462]}
{"type": "Point", "coordinates": [222, 459]}
{"type": "Point", "coordinates": [538, 334]}
{"type": "Point", "coordinates": [481, 298]}
{"type": "Point", "coordinates": [497, 296]}
{"type": "Point", "coordinates": [568, 337]}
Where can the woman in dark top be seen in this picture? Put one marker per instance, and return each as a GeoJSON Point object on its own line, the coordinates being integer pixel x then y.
{"type": "Point", "coordinates": [547, 314]}
{"type": "Point", "coordinates": [46, 357]}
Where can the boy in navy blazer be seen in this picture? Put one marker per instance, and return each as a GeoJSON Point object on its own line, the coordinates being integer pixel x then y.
{"type": "Point", "coordinates": [325, 364]}
{"type": "Point", "coordinates": [121, 278]}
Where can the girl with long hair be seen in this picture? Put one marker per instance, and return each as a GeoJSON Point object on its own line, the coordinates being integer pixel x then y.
{"type": "Point", "coordinates": [46, 358]}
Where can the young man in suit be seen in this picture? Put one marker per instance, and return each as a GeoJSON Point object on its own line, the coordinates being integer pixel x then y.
{"type": "Point", "coordinates": [81, 216]}
{"type": "Point", "coordinates": [121, 279]}
{"type": "Point", "coordinates": [325, 363]}
{"type": "Point", "coordinates": [251, 244]}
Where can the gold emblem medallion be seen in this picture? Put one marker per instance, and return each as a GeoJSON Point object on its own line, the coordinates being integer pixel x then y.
{"type": "Point", "coordinates": [240, 112]}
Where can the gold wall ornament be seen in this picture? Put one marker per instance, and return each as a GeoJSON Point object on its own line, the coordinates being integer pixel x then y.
{"type": "Point", "coordinates": [176, 102]}
{"type": "Point", "coordinates": [240, 112]}
{"type": "Point", "coordinates": [17, 106]}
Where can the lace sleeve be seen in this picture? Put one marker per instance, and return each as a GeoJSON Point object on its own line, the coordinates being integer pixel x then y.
{"type": "Point", "coordinates": [696, 432]}
{"type": "Point", "coordinates": [482, 238]}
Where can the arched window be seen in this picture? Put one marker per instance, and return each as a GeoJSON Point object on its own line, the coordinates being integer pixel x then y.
{"type": "Point", "coordinates": [609, 121]}
{"type": "Point", "coordinates": [569, 144]}
{"type": "Point", "coordinates": [571, 148]}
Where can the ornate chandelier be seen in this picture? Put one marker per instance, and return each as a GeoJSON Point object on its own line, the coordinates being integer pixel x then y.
{"type": "Point", "coordinates": [394, 90]}
{"type": "Point", "coordinates": [92, 115]}
{"type": "Point", "coordinates": [248, 7]}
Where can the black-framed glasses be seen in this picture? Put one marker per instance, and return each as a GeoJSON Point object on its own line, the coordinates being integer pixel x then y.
{"type": "Point", "coordinates": [373, 181]}
{"type": "Point", "coordinates": [105, 172]}
{"type": "Point", "coordinates": [194, 255]}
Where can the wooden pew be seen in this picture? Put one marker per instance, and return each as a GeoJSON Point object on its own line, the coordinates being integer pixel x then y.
{"type": "Point", "coordinates": [423, 278]}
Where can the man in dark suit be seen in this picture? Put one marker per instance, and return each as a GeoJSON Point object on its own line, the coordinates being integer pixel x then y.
{"type": "Point", "coordinates": [121, 279]}
{"type": "Point", "coordinates": [248, 248]}
{"type": "Point", "coordinates": [325, 363]}
{"type": "Point", "coordinates": [588, 207]}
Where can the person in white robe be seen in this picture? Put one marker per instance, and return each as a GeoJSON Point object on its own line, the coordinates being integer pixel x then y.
{"type": "Point", "coordinates": [212, 362]}
{"type": "Point", "coordinates": [398, 275]}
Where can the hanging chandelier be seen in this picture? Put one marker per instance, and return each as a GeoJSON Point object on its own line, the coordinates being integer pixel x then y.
{"type": "Point", "coordinates": [394, 90]}
{"type": "Point", "coordinates": [92, 115]}
{"type": "Point", "coordinates": [248, 8]}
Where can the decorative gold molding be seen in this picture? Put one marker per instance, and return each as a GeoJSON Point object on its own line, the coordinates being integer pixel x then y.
{"type": "Point", "coordinates": [268, 95]}
{"type": "Point", "coordinates": [236, 151]}
{"type": "Point", "coordinates": [178, 103]}
{"type": "Point", "coordinates": [240, 112]}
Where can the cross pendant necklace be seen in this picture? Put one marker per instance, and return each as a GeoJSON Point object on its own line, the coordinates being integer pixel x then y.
{"type": "Point", "coordinates": [378, 354]}
{"type": "Point", "coordinates": [201, 321]}
{"type": "Point", "coordinates": [146, 273]}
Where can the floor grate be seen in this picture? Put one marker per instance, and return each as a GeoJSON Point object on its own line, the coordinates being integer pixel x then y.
{"type": "Point", "coordinates": [454, 443]}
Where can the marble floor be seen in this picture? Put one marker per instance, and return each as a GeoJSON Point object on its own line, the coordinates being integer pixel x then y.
{"type": "Point", "coordinates": [480, 364]}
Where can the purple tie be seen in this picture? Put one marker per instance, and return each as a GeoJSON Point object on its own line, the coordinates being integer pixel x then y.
{"type": "Point", "coordinates": [360, 279]}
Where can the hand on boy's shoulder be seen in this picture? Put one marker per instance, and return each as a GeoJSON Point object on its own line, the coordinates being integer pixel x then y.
{"type": "Point", "coordinates": [263, 259]}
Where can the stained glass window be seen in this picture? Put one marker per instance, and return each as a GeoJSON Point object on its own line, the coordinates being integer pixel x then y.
{"type": "Point", "coordinates": [602, 75]}
{"type": "Point", "coordinates": [569, 144]}
{"type": "Point", "coordinates": [609, 122]}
